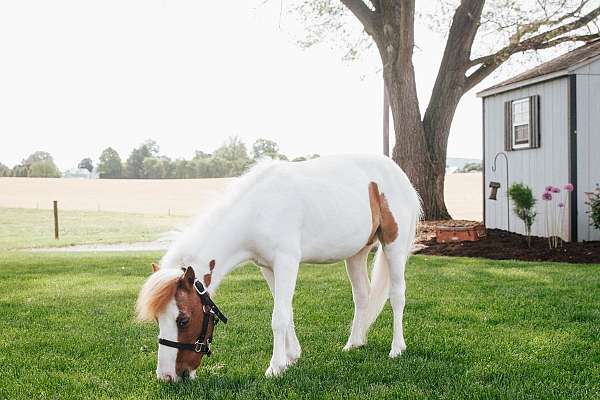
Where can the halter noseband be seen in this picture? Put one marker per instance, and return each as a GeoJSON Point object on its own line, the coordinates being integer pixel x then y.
{"type": "Point", "coordinates": [211, 313]}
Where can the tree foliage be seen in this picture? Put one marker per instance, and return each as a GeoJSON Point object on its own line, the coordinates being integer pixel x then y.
{"type": "Point", "coordinates": [37, 157]}
{"type": "Point", "coordinates": [471, 167]}
{"type": "Point", "coordinates": [39, 164]}
{"type": "Point", "coordinates": [86, 163]}
{"type": "Point", "coordinates": [5, 171]}
{"type": "Point", "coordinates": [19, 171]}
{"type": "Point", "coordinates": [266, 148]}
{"type": "Point", "coordinates": [43, 169]}
{"type": "Point", "coordinates": [135, 161]}
{"type": "Point", "coordinates": [110, 165]}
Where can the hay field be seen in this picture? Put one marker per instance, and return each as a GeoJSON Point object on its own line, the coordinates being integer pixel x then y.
{"type": "Point", "coordinates": [145, 196]}
{"type": "Point", "coordinates": [177, 196]}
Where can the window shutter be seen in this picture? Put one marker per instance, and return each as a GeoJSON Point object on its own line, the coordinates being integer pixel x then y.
{"type": "Point", "coordinates": [534, 121]}
{"type": "Point", "coordinates": [508, 125]}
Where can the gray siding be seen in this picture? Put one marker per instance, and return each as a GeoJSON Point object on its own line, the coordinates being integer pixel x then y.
{"type": "Point", "coordinates": [547, 165]}
{"type": "Point", "coordinates": [588, 143]}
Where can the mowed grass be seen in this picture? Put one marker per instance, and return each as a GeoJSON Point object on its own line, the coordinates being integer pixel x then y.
{"type": "Point", "coordinates": [29, 228]}
{"type": "Point", "coordinates": [474, 329]}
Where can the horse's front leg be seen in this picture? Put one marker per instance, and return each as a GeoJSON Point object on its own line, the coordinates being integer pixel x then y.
{"type": "Point", "coordinates": [285, 271]}
{"type": "Point", "coordinates": [292, 344]}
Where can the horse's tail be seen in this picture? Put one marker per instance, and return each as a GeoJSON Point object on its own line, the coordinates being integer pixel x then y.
{"type": "Point", "coordinates": [380, 286]}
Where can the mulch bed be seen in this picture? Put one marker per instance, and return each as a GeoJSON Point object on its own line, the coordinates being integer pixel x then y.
{"type": "Point", "coordinates": [501, 245]}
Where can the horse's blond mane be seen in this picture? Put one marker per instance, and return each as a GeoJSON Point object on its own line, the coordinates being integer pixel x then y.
{"type": "Point", "coordinates": [157, 291]}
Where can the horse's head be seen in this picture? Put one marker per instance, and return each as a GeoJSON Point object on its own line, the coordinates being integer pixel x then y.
{"type": "Point", "coordinates": [186, 318]}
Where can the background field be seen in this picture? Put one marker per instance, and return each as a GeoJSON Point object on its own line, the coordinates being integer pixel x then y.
{"type": "Point", "coordinates": [178, 196]}
{"type": "Point", "coordinates": [474, 329]}
{"type": "Point", "coordinates": [29, 228]}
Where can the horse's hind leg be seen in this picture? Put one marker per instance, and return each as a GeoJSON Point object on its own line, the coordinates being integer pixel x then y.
{"type": "Point", "coordinates": [356, 266]}
{"type": "Point", "coordinates": [397, 255]}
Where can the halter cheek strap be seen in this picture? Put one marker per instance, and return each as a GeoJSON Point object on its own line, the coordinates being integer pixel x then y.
{"type": "Point", "coordinates": [207, 301]}
{"type": "Point", "coordinates": [211, 314]}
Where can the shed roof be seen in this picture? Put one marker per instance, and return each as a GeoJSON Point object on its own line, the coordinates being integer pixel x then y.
{"type": "Point", "coordinates": [556, 67]}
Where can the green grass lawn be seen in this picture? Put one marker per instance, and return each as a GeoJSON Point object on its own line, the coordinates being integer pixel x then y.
{"type": "Point", "coordinates": [28, 228]}
{"type": "Point", "coordinates": [474, 329]}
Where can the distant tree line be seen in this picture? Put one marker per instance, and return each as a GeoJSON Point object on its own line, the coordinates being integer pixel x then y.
{"type": "Point", "coordinates": [38, 165]}
{"type": "Point", "coordinates": [471, 167]}
{"type": "Point", "coordinates": [145, 162]}
{"type": "Point", "coordinates": [231, 159]}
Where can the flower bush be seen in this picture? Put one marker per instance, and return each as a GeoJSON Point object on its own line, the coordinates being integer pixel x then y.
{"type": "Point", "coordinates": [594, 211]}
{"type": "Point", "coordinates": [523, 202]}
{"type": "Point", "coordinates": [555, 213]}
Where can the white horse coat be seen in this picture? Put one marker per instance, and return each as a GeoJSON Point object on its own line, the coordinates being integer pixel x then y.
{"type": "Point", "coordinates": [318, 211]}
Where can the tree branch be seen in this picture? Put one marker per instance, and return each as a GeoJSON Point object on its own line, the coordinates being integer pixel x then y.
{"type": "Point", "coordinates": [540, 41]}
{"type": "Point", "coordinates": [363, 13]}
{"type": "Point", "coordinates": [448, 87]}
{"type": "Point", "coordinates": [486, 69]}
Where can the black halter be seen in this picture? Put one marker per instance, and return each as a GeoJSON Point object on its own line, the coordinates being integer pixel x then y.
{"type": "Point", "coordinates": [211, 313]}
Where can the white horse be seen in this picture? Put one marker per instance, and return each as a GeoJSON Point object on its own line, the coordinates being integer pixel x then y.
{"type": "Point", "coordinates": [282, 214]}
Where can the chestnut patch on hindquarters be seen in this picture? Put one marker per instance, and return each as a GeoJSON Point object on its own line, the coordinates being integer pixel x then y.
{"type": "Point", "coordinates": [189, 305]}
{"type": "Point", "coordinates": [384, 225]}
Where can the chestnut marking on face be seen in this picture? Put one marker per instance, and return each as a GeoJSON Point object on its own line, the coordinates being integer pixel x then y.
{"type": "Point", "coordinates": [189, 323]}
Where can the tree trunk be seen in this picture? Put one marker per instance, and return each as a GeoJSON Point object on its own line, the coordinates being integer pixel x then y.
{"type": "Point", "coordinates": [421, 159]}
{"type": "Point", "coordinates": [425, 169]}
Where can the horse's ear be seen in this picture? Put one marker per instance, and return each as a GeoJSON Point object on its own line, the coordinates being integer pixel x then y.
{"type": "Point", "coordinates": [211, 265]}
{"type": "Point", "coordinates": [155, 267]}
{"type": "Point", "coordinates": [189, 277]}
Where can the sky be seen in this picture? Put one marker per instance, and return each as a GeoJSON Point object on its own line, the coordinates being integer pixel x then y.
{"type": "Point", "coordinates": [79, 76]}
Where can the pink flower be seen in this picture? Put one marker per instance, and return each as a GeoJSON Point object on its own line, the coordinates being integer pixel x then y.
{"type": "Point", "coordinates": [569, 187]}
{"type": "Point", "coordinates": [561, 204]}
{"type": "Point", "coordinates": [548, 188]}
{"type": "Point", "coordinates": [555, 190]}
{"type": "Point", "coordinates": [547, 196]}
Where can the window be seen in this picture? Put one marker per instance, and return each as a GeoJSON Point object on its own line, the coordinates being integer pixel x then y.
{"type": "Point", "coordinates": [522, 123]}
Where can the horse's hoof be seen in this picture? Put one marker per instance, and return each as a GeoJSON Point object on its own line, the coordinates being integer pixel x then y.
{"type": "Point", "coordinates": [273, 371]}
{"type": "Point", "coordinates": [397, 350]}
{"type": "Point", "coordinates": [349, 346]}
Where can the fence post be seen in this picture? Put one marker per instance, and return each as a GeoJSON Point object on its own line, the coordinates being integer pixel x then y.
{"type": "Point", "coordinates": [55, 203]}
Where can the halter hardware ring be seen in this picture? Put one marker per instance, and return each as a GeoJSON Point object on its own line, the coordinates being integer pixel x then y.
{"type": "Point", "coordinates": [201, 347]}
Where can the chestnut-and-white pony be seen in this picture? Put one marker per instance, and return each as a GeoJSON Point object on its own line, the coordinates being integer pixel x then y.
{"type": "Point", "coordinates": [279, 215]}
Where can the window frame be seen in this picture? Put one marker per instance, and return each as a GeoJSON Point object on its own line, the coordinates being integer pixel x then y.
{"type": "Point", "coordinates": [515, 124]}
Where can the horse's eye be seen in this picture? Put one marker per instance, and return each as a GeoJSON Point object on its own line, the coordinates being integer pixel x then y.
{"type": "Point", "coordinates": [182, 321]}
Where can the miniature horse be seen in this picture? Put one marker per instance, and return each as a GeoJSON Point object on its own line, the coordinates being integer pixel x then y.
{"type": "Point", "coordinates": [279, 215]}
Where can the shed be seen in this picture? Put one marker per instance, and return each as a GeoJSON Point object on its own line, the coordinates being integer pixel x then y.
{"type": "Point", "coordinates": [544, 125]}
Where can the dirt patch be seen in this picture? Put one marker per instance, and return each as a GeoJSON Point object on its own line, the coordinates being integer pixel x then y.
{"type": "Point", "coordinates": [103, 247]}
{"type": "Point", "coordinates": [502, 245]}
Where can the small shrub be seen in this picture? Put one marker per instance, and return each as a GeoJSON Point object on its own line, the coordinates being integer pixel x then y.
{"type": "Point", "coordinates": [594, 211]}
{"type": "Point", "coordinates": [523, 204]}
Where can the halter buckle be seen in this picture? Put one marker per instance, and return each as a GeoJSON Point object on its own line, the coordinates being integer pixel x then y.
{"type": "Point", "coordinates": [201, 347]}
